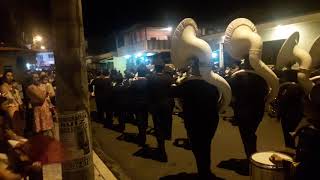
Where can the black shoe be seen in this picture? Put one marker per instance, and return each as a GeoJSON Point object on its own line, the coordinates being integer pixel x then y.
{"type": "Point", "coordinates": [141, 140]}
{"type": "Point", "coordinates": [182, 143]}
{"type": "Point", "coordinates": [151, 153]}
{"type": "Point", "coordinates": [243, 170]}
{"type": "Point", "coordinates": [160, 156]}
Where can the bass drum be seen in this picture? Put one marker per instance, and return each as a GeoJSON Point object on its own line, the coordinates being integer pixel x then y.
{"type": "Point", "coordinates": [261, 168]}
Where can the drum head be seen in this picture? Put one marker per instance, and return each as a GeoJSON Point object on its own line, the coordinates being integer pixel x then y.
{"type": "Point", "coordinates": [261, 159]}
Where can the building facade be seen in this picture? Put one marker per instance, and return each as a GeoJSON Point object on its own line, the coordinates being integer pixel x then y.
{"type": "Point", "coordinates": [141, 39]}
{"type": "Point", "coordinates": [274, 34]}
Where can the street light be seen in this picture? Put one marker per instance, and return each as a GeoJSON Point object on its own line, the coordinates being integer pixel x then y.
{"type": "Point", "coordinates": [37, 38]}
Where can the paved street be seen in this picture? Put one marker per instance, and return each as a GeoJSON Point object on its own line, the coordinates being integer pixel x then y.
{"type": "Point", "coordinates": [226, 144]}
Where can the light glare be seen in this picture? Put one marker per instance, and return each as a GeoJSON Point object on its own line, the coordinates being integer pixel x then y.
{"type": "Point", "coordinates": [37, 38]}
{"type": "Point", "coordinates": [127, 56]}
{"type": "Point", "coordinates": [214, 55]}
{"type": "Point", "coordinates": [150, 54]}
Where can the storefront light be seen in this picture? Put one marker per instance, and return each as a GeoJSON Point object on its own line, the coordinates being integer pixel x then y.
{"type": "Point", "coordinates": [138, 55]}
{"type": "Point", "coordinates": [127, 56]}
{"type": "Point", "coordinates": [214, 55]}
{"type": "Point", "coordinates": [149, 54]}
{"type": "Point", "coordinates": [28, 66]}
{"type": "Point", "coordinates": [167, 29]}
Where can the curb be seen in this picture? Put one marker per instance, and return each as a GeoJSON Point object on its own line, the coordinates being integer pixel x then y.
{"type": "Point", "coordinates": [111, 164]}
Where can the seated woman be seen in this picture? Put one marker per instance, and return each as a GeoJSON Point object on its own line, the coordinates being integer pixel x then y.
{"type": "Point", "coordinates": [15, 163]}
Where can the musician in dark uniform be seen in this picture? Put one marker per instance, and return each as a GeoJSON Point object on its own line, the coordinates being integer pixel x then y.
{"type": "Point", "coordinates": [201, 118]}
{"type": "Point", "coordinates": [102, 87]}
{"type": "Point", "coordinates": [138, 93]}
{"type": "Point", "coordinates": [291, 102]}
{"type": "Point", "coordinates": [161, 106]}
{"type": "Point", "coordinates": [307, 156]}
{"type": "Point", "coordinates": [121, 102]}
{"type": "Point", "coordinates": [249, 92]}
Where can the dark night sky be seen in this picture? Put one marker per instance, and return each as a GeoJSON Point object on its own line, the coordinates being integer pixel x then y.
{"type": "Point", "coordinates": [103, 18]}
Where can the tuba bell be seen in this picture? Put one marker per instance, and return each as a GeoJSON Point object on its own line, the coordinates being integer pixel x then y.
{"type": "Point", "coordinates": [185, 45]}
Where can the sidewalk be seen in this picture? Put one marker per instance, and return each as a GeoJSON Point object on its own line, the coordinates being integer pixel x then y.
{"type": "Point", "coordinates": [54, 171]}
{"type": "Point", "coordinates": [101, 172]}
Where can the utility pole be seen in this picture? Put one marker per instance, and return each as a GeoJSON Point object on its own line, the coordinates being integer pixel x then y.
{"type": "Point", "coordinates": [72, 89]}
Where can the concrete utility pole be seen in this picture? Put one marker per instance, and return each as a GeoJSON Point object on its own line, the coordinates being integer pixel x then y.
{"type": "Point", "coordinates": [72, 89]}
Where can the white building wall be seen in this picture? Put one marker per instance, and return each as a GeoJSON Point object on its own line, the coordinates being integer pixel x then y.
{"type": "Point", "coordinates": [119, 63]}
{"type": "Point", "coordinates": [308, 26]}
{"type": "Point", "coordinates": [309, 31]}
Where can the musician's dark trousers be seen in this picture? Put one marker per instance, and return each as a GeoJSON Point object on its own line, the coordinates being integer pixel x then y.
{"type": "Point", "coordinates": [249, 119]}
{"type": "Point", "coordinates": [200, 129]}
{"type": "Point", "coordinates": [290, 119]}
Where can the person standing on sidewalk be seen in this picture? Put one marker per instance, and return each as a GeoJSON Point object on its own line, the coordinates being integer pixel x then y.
{"type": "Point", "coordinates": [12, 103]}
{"type": "Point", "coordinates": [39, 99]}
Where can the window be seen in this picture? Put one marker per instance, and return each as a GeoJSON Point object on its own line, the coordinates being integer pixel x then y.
{"type": "Point", "coordinates": [51, 56]}
{"type": "Point", "coordinates": [40, 57]}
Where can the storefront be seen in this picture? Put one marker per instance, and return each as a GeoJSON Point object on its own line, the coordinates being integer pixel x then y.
{"type": "Point", "coordinates": [16, 60]}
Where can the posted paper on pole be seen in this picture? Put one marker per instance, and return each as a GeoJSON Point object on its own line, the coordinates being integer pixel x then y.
{"type": "Point", "coordinates": [76, 137]}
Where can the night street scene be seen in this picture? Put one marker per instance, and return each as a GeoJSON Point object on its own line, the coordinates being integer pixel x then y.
{"type": "Point", "coordinates": [159, 90]}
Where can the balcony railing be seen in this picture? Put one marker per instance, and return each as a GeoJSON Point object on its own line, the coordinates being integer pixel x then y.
{"type": "Point", "coordinates": [159, 44]}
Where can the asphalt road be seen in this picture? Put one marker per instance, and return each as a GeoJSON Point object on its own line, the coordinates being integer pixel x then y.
{"type": "Point", "coordinates": [225, 145]}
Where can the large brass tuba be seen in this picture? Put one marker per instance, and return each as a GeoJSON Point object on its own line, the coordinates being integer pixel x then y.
{"type": "Point", "coordinates": [241, 38]}
{"type": "Point", "coordinates": [185, 45]}
{"type": "Point", "coordinates": [315, 55]}
{"type": "Point", "coordinates": [289, 54]}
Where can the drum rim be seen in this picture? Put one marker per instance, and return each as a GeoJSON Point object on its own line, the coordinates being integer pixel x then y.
{"type": "Point", "coordinates": [266, 166]}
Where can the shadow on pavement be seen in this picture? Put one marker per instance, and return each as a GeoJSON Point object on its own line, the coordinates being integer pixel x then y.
{"type": "Point", "coordinates": [240, 166]}
{"type": "Point", "coordinates": [151, 153]}
{"type": "Point", "coordinates": [187, 176]}
{"type": "Point", "coordinates": [128, 137]}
